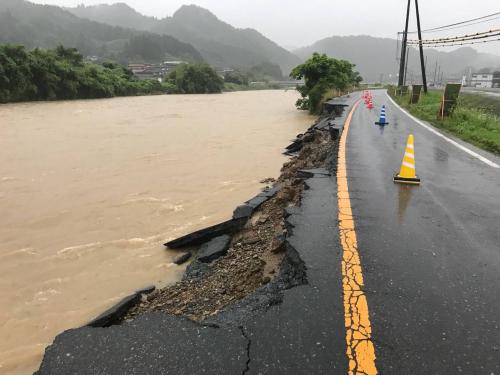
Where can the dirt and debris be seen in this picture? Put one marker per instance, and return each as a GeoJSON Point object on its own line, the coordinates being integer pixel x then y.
{"type": "Point", "coordinates": [255, 253]}
{"type": "Point", "coordinates": [268, 180]}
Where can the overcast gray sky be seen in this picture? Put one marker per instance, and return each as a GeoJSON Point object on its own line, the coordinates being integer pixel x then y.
{"type": "Point", "coordinates": [297, 23]}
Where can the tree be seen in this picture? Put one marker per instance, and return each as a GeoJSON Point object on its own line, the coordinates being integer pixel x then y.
{"type": "Point", "coordinates": [69, 54]}
{"type": "Point", "coordinates": [236, 77]}
{"type": "Point", "coordinates": [45, 74]}
{"type": "Point", "coordinates": [322, 73]}
{"type": "Point", "coordinates": [266, 71]}
{"type": "Point", "coordinates": [196, 79]}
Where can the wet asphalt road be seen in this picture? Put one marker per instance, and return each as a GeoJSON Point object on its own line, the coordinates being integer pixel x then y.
{"type": "Point", "coordinates": [430, 257]}
{"type": "Point", "coordinates": [431, 253]}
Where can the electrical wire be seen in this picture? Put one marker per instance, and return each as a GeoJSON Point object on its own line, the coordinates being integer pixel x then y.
{"type": "Point", "coordinates": [426, 42]}
{"type": "Point", "coordinates": [459, 44]}
{"type": "Point", "coordinates": [459, 25]}
{"type": "Point", "coordinates": [455, 37]}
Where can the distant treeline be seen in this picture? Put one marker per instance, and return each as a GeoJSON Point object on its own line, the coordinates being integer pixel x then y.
{"type": "Point", "coordinates": [61, 73]}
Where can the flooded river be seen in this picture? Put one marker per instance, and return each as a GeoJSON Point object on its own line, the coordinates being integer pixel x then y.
{"type": "Point", "coordinates": [90, 190]}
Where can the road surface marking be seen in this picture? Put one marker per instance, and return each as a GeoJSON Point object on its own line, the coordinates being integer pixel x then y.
{"type": "Point", "coordinates": [360, 349]}
{"type": "Point", "coordinates": [449, 140]}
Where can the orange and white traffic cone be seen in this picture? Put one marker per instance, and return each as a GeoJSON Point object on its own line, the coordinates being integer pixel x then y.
{"type": "Point", "coordinates": [407, 173]}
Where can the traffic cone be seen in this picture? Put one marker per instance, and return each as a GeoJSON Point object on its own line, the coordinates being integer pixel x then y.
{"type": "Point", "coordinates": [407, 173]}
{"type": "Point", "coordinates": [370, 105]}
{"type": "Point", "coordinates": [381, 120]}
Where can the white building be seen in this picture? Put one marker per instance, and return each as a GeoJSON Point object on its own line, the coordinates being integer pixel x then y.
{"type": "Point", "coordinates": [484, 80]}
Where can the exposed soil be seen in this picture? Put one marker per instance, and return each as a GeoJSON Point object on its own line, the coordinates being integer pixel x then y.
{"type": "Point", "coordinates": [255, 253]}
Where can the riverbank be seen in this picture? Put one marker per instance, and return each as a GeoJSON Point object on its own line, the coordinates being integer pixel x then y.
{"type": "Point", "coordinates": [82, 231]}
{"type": "Point", "coordinates": [264, 258]}
{"type": "Point", "coordinates": [474, 120]}
{"type": "Point", "coordinates": [253, 255]}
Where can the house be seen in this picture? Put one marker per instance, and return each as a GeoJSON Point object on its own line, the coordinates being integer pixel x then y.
{"type": "Point", "coordinates": [171, 65]}
{"type": "Point", "coordinates": [484, 80]}
{"type": "Point", "coordinates": [496, 80]}
{"type": "Point", "coordinates": [135, 68]}
{"type": "Point", "coordinates": [148, 71]}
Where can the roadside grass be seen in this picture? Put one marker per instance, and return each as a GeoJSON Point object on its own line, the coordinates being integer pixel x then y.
{"type": "Point", "coordinates": [331, 94]}
{"type": "Point", "coordinates": [487, 103]}
{"type": "Point", "coordinates": [472, 121]}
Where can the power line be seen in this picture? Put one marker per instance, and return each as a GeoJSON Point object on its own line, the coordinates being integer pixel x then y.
{"type": "Point", "coordinates": [455, 37]}
{"type": "Point", "coordinates": [454, 40]}
{"type": "Point", "coordinates": [458, 25]}
{"type": "Point", "coordinates": [461, 44]}
{"type": "Point", "coordinates": [463, 22]}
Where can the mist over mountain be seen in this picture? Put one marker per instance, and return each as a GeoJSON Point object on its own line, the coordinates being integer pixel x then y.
{"type": "Point", "coordinates": [193, 34]}
{"type": "Point", "coordinates": [219, 43]}
{"type": "Point", "coordinates": [45, 26]}
{"type": "Point", "coordinates": [119, 14]}
{"type": "Point", "coordinates": [376, 56]}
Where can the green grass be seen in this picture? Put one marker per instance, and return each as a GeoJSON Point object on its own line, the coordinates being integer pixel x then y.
{"type": "Point", "coordinates": [487, 103]}
{"type": "Point", "coordinates": [471, 121]}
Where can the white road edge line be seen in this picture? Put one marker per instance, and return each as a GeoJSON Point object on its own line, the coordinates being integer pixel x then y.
{"type": "Point", "coordinates": [431, 129]}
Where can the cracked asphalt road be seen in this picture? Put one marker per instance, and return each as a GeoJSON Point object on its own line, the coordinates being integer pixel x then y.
{"type": "Point", "coordinates": [430, 253]}
{"type": "Point", "coordinates": [303, 335]}
{"type": "Point", "coordinates": [430, 260]}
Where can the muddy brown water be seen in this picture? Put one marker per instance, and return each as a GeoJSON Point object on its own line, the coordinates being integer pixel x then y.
{"type": "Point", "coordinates": [90, 190]}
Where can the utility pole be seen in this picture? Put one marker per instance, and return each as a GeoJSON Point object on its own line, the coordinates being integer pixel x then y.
{"type": "Point", "coordinates": [406, 66]}
{"type": "Point", "coordinates": [435, 72]}
{"type": "Point", "coordinates": [421, 47]}
{"type": "Point", "coordinates": [425, 67]}
{"type": "Point", "coordinates": [403, 48]}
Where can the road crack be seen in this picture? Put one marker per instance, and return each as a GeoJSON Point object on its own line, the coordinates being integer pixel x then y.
{"type": "Point", "coordinates": [249, 343]}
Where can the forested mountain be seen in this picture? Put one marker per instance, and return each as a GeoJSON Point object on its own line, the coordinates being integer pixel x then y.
{"type": "Point", "coordinates": [33, 25]}
{"type": "Point", "coordinates": [220, 43]}
{"type": "Point", "coordinates": [119, 14]}
{"type": "Point", "coordinates": [119, 32]}
{"type": "Point", "coordinates": [376, 56]}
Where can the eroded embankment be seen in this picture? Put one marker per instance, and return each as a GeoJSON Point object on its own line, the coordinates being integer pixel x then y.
{"type": "Point", "coordinates": [237, 296]}
{"type": "Point", "coordinates": [230, 268]}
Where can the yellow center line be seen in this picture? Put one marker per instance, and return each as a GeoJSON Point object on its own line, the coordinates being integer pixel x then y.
{"type": "Point", "coordinates": [360, 349]}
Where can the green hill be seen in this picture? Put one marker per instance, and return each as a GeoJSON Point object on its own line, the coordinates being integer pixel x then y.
{"type": "Point", "coordinates": [34, 25]}
{"type": "Point", "coordinates": [220, 43]}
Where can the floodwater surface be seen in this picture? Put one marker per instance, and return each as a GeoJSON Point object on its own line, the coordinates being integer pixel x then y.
{"type": "Point", "coordinates": [90, 190]}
